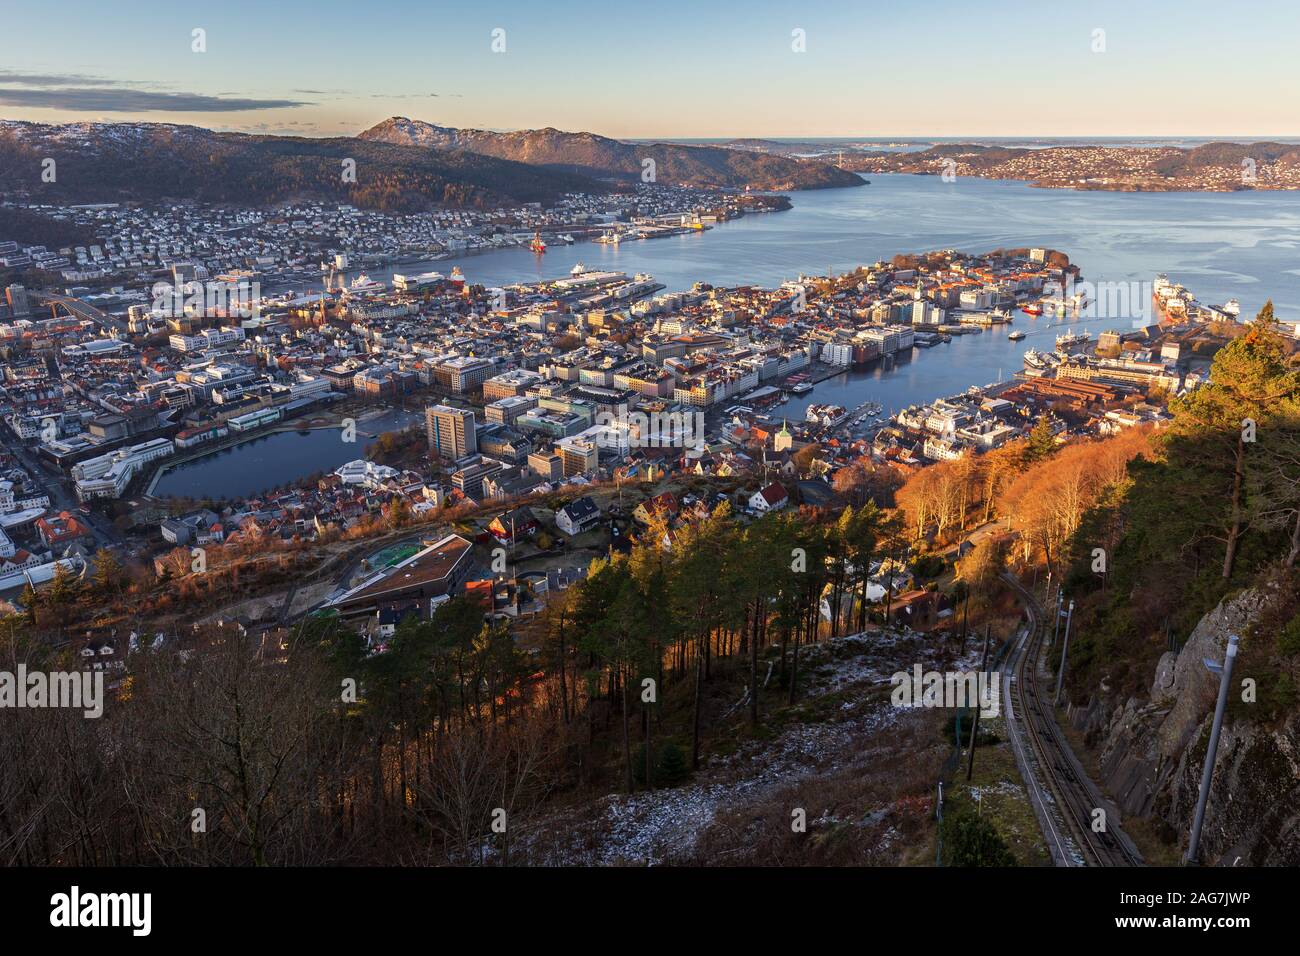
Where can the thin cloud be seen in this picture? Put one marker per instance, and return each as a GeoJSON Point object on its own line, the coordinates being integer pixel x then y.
{"type": "Point", "coordinates": [47, 80]}
{"type": "Point", "coordinates": [88, 99]}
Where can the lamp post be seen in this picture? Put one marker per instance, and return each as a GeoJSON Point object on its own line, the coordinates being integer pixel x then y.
{"type": "Point", "coordinates": [1207, 775]}
{"type": "Point", "coordinates": [1065, 647]}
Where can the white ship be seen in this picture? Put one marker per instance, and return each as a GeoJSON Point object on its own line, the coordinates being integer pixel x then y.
{"type": "Point", "coordinates": [1040, 361]}
{"type": "Point", "coordinates": [409, 283]}
{"type": "Point", "coordinates": [614, 237]}
{"type": "Point", "coordinates": [364, 285]}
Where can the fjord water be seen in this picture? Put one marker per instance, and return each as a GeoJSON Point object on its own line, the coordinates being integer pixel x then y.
{"type": "Point", "coordinates": [1220, 245]}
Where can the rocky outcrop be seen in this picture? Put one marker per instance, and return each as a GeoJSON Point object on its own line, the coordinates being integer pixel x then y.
{"type": "Point", "coordinates": [1152, 753]}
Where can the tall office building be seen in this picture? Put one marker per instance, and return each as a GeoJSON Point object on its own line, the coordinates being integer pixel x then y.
{"type": "Point", "coordinates": [451, 431]}
{"type": "Point", "coordinates": [16, 297]}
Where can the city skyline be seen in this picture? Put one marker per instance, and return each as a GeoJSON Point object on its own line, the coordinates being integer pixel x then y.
{"type": "Point", "coordinates": [633, 73]}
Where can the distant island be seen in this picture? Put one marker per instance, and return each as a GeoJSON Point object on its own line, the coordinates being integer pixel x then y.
{"type": "Point", "coordinates": [1216, 167]}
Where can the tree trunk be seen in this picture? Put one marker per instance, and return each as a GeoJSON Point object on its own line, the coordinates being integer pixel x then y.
{"type": "Point", "coordinates": [794, 663]}
{"type": "Point", "coordinates": [753, 664]}
{"type": "Point", "coordinates": [627, 743]}
{"type": "Point", "coordinates": [564, 693]}
{"type": "Point", "coordinates": [649, 759]}
{"type": "Point", "coordinates": [695, 722]}
{"type": "Point", "coordinates": [1294, 553]}
{"type": "Point", "coordinates": [1234, 530]}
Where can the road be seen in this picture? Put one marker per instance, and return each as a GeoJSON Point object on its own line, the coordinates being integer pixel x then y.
{"type": "Point", "coordinates": [84, 310]}
{"type": "Point", "coordinates": [1065, 799]}
{"type": "Point", "coordinates": [57, 486]}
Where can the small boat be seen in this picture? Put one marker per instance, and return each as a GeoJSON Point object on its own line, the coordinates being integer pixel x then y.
{"type": "Point", "coordinates": [1016, 336]}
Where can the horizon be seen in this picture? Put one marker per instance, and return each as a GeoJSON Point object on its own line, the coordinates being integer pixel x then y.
{"type": "Point", "coordinates": [811, 138]}
{"type": "Point", "coordinates": [781, 71]}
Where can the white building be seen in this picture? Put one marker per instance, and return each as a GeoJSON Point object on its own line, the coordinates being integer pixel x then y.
{"type": "Point", "coordinates": [365, 473]}
{"type": "Point", "coordinates": [108, 475]}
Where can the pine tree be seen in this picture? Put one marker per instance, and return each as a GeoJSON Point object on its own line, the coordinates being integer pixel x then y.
{"type": "Point", "coordinates": [1213, 442]}
{"type": "Point", "coordinates": [1041, 443]}
{"type": "Point", "coordinates": [671, 769]}
{"type": "Point", "coordinates": [971, 840]}
{"type": "Point", "coordinates": [109, 574]}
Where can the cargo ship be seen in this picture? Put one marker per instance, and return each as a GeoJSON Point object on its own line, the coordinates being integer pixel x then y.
{"type": "Point", "coordinates": [1068, 341]}
{"type": "Point", "coordinates": [1034, 310]}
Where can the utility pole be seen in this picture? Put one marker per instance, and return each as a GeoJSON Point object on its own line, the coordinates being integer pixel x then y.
{"type": "Point", "coordinates": [975, 723]}
{"type": "Point", "coordinates": [1065, 647]}
{"type": "Point", "coordinates": [1207, 775]}
{"type": "Point", "coordinates": [965, 616]}
{"type": "Point", "coordinates": [1056, 632]}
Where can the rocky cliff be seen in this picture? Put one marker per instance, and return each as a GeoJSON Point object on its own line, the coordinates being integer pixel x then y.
{"type": "Point", "coordinates": [1152, 752]}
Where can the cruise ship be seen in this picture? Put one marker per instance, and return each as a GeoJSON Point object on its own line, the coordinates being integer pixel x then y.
{"type": "Point", "coordinates": [364, 285]}
{"type": "Point", "coordinates": [1170, 299]}
{"type": "Point", "coordinates": [410, 283]}
{"type": "Point", "coordinates": [582, 278]}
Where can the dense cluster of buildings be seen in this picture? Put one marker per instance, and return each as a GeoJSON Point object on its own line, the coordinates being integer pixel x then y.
{"type": "Point", "coordinates": [137, 243]}
{"type": "Point", "coordinates": [1148, 168]}
{"type": "Point", "coordinates": [590, 377]}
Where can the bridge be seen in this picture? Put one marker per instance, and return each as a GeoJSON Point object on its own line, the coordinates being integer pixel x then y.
{"type": "Point", "coordinates": [83, 310]}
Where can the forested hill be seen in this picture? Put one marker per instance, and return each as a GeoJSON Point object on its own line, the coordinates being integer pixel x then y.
{"type": "Point", "coordinates": [157, 161]}
{"type": "Point", "coordinates": [600, 156]}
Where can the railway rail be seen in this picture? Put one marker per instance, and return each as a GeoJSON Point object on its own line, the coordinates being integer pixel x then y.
{"type": "Point", "coordinates": [1065, 799]}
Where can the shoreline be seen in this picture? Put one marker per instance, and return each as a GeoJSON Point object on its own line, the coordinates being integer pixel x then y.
{"type": "Point", "coordinates": [282, 427]}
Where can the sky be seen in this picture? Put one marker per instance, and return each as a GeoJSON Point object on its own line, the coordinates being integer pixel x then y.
{"type": "Point", "coordinates": [663, 68]}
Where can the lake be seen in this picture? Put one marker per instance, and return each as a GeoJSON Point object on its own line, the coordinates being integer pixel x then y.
{"type": "Point", "coordinates": [279, 458]}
